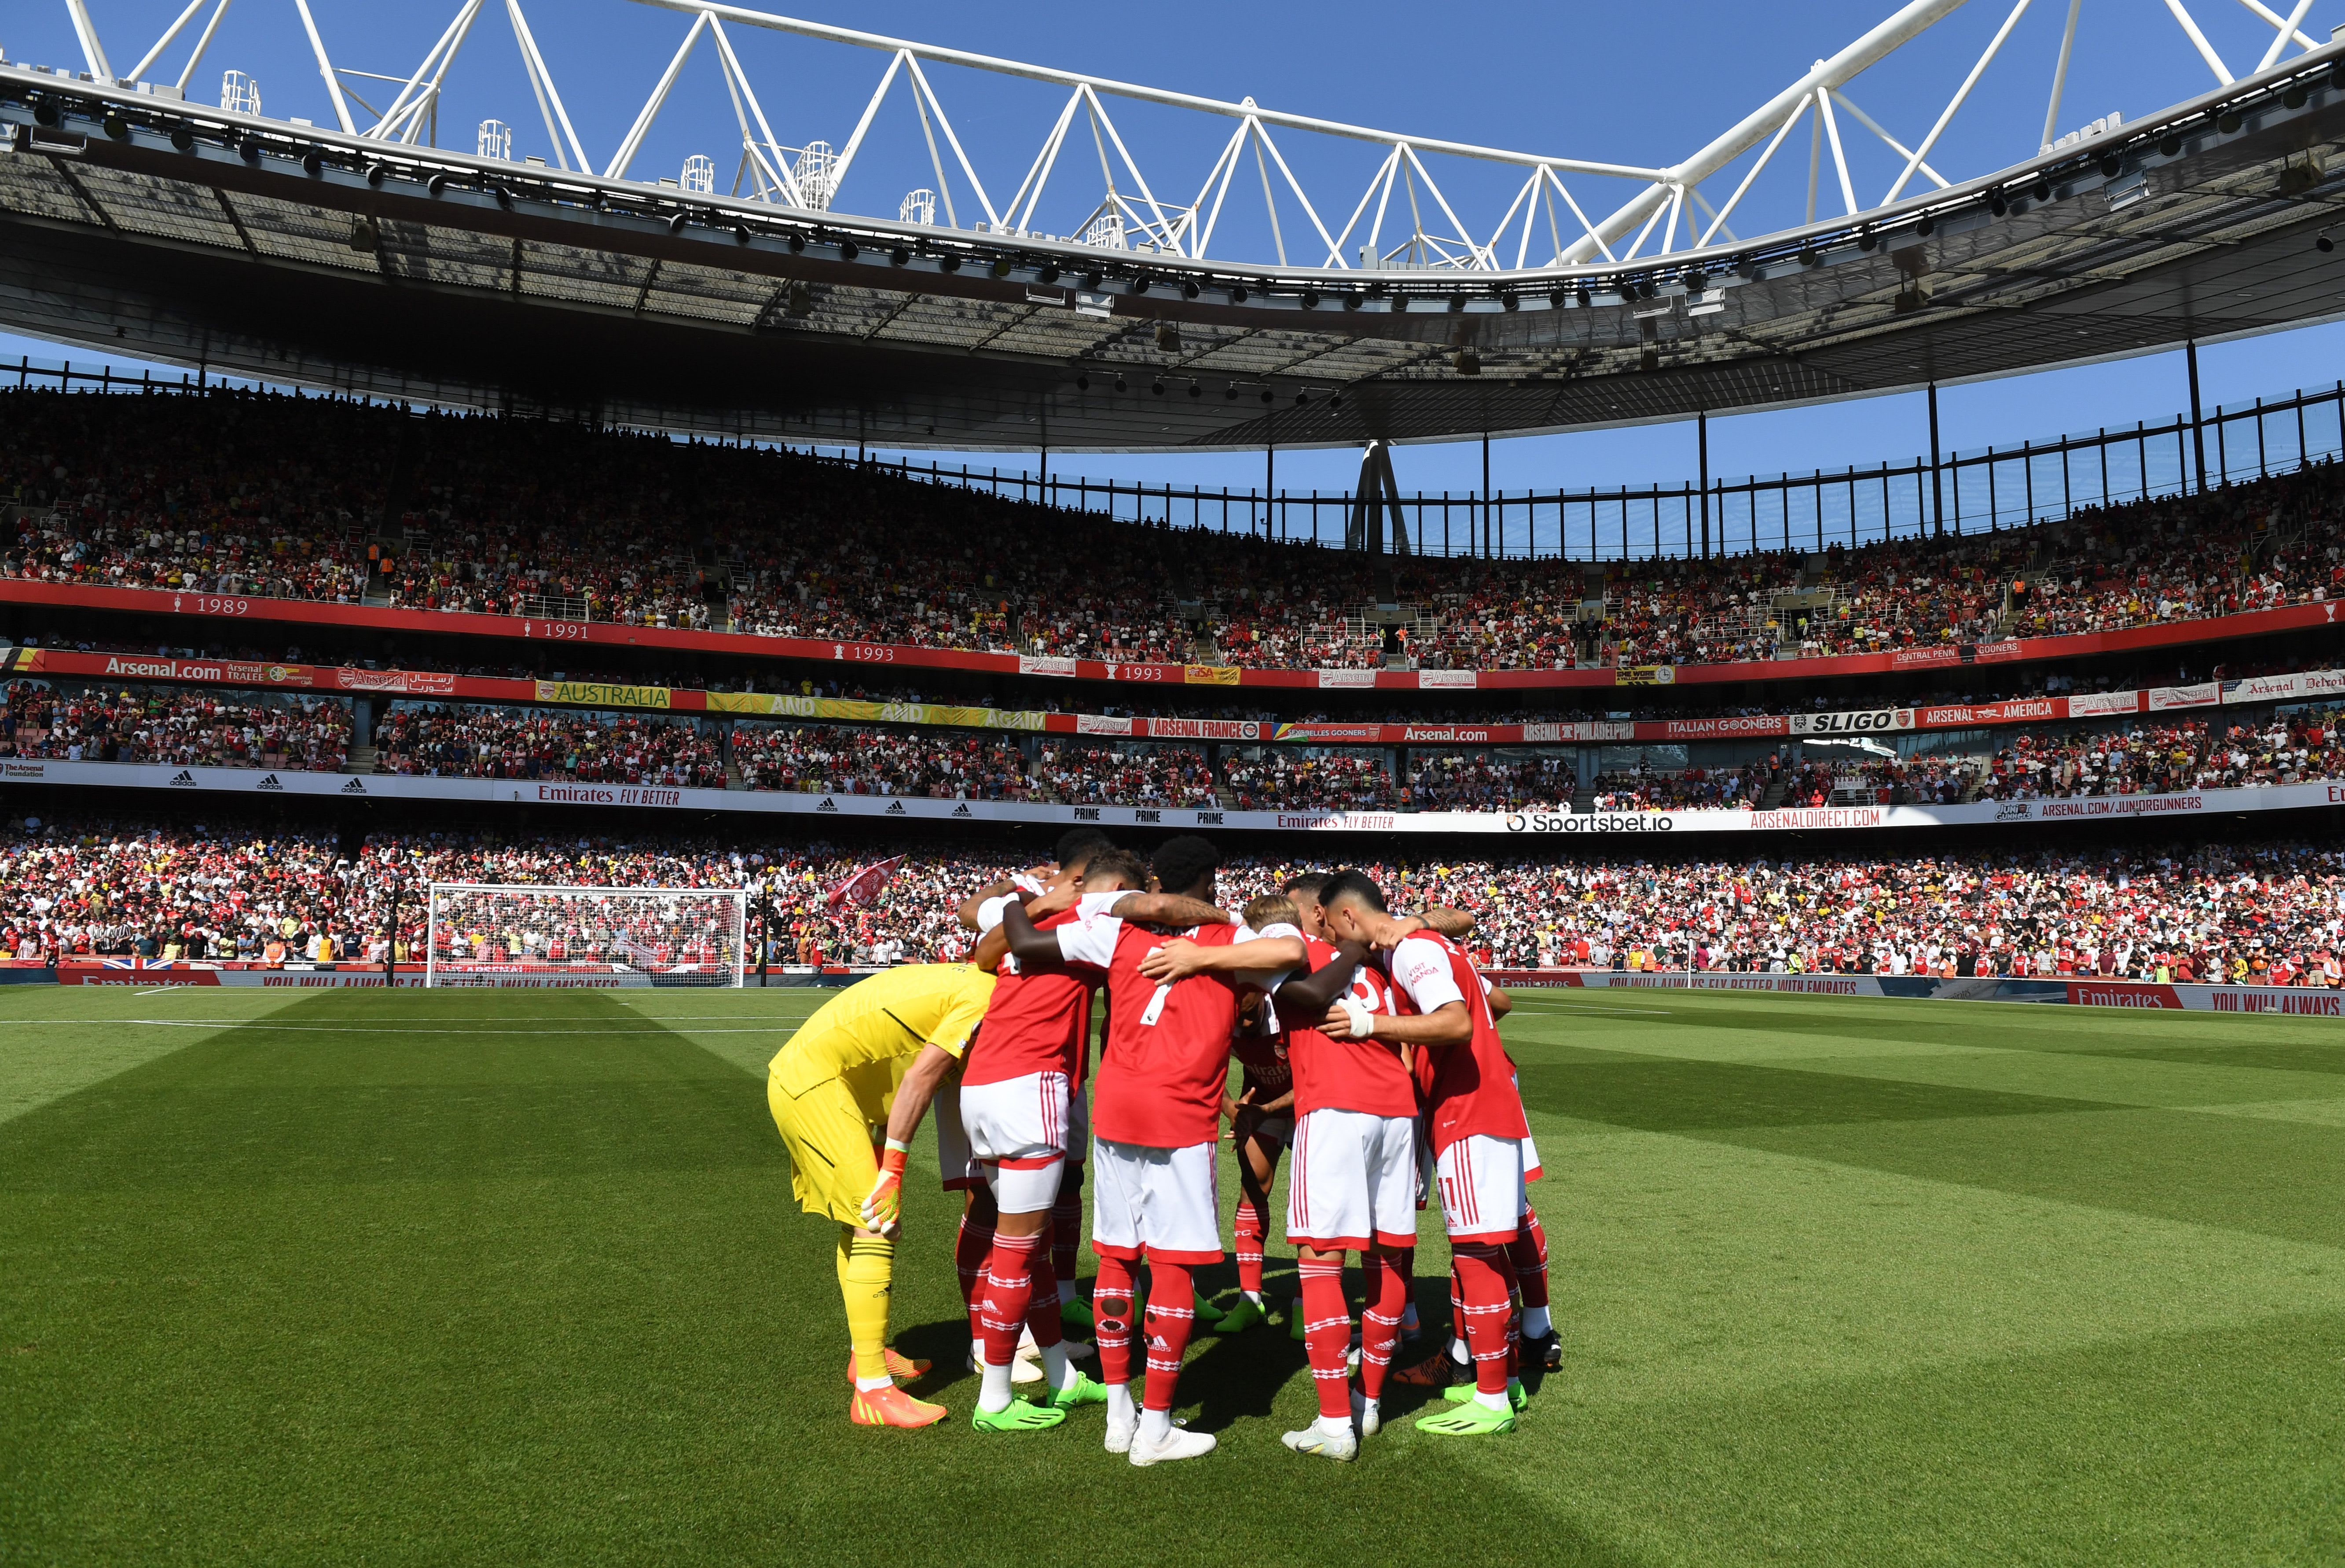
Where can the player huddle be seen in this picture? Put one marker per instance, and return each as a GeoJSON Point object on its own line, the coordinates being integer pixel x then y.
{"type": "Point", "coordinates": [1366, 1040]}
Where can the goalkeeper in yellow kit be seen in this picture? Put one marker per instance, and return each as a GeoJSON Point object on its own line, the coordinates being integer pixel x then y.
{"type": "Point", "coordinates": [862, 1070]}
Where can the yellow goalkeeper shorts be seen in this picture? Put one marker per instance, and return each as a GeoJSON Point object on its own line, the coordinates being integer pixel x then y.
{"type": "Point", "coordinates": [832, 1167]}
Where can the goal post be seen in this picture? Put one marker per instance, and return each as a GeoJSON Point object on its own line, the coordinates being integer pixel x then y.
{"type": "Point", "coordinates": [554, 935]}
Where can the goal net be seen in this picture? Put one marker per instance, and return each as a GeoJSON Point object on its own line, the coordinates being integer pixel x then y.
{"type": "Point", "coordinates": [486, 934]}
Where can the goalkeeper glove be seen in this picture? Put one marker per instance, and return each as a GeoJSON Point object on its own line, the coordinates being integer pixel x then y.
{"type": "Point", "coordinates": [883, 1210]}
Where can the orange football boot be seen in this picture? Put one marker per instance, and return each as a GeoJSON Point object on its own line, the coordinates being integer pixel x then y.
{"type": "Point", "coordinates": [892, 1407]}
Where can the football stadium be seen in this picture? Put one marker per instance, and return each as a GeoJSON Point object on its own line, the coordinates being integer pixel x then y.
{"type": "Point", "coordinates": [1605, 1014]}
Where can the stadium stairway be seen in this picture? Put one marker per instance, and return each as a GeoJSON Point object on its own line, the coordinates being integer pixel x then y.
{"type": "Point", "coordinates": [733, 776]}
{"type": "Point", "coordinates": [361, 759]}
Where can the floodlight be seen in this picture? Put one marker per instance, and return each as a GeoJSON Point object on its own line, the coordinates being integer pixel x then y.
{"type": "Point", "coordinates": [1310, 298]}
{"type": "Point", "coordinates": [2322, 243]}
{"type": "Point", "coordinates": [676, 221]}
{"type": "Point", "coordinates": [436, 184]}
{"type": "Point", "coordinates": [846, 251]}
{"type": "Point", "coordinates": [118, 128]}
{"type": "Point", "coordinates": [183, 139]}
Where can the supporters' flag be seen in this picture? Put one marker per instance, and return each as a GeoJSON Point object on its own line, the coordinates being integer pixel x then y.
{"type": "Point", "coordinates": [864, 886]}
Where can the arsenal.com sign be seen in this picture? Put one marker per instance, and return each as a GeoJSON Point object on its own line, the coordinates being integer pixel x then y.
{"type": "Point", "coordinates": [1871, 721]}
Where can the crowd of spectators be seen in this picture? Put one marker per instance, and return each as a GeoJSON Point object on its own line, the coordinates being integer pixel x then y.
{"type": "Point", "coordinates": [1278, 781]}
{"type": "Point", "coordinates": [1078, 775]}
{"type": "Point", "coordinates": [1683, 790]}
{"type": "Point", "coordinates": [2159, 758]}
{"type": "Point", "coordinates": [182, 726]}
{"type": "Point", "coordinates": [324, 498]}
{"type": "Point", "coordinates": [2265, 911]}
{"type": "Point", "coordinates": [469, 741]}
{"type": "Point", "coordinates": [830, 760]}
{"type": "Point", "coordinates": [1488, 782]}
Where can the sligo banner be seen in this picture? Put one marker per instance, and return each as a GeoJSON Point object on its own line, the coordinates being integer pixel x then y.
{"type": "Point", "coordinates": [1871, 722]}
{"type": "Point", "coordinates": [658, 799]}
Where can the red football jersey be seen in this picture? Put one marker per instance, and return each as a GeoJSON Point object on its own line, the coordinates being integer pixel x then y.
{"type": "Point", "coordinates": [1351, 1075]}
{"type": "Point", "coordinates": [1038, 1021]}
{"type": "Point", "coordinates": [1471, 1086]}
{"type": "Point", "coordinates": [1264, 1059]}
{"type": "Point", "coordinates": [1166, 1060]}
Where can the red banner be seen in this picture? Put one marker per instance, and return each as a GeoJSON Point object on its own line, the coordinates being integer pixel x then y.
{"type": "Point", "coordinates": [864, 886]}
{"type": "Point", "coordinates": [612, 634]}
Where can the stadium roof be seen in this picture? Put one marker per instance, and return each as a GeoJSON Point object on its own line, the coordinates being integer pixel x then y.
{"type": "Point", "coordinates": [133, 222]}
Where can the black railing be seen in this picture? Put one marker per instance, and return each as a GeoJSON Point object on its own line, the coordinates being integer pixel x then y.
{"type": "Point", "coordinates": [1974, 492]}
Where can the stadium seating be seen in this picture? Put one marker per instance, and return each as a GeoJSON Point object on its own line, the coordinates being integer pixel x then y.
{"type": "Point", "coordinates": [2265, 910]}
{"type": "Point", "coordinates": [328, 500]}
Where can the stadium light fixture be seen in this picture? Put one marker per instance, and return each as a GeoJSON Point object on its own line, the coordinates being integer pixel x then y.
{"type": "Point", "coordinates": [1924, 225]}
{"type": "Point", "coordinates": [1082, 383]}
{"type": "Point", "coordinates": [249, 148]}
{"type": "Point", "coordinates": [1157, 386]}
{"type": "Point", "coordinates": [375, 172]}
{"type": "Point", "coordinates": [117, 129]}
{"type": "Point", "coordinates": [1140, 281]}
{"type": "Point", "coordinates": [1230, 392]}
{"type": "Point", "coordinates": [1196, 389]}
{"type": "Point", "coordinates": [504, 197]}
{"type": "Point", "coordinates": [1118, 383]}
{"type": "Point", "coordinates": [1188, 289]}
{"type": "Point", "coordinates": [2170, 146]}
{"type": "Point", "coordinates": [949, 263]}
{"type": "Point", "coordinates": [1237, 294]}
{"type": "Point", "coordinates": [675, 223]}
{"type": "Point", "coordinates": [2042, 190]}
{"type": "Point", "coordinates": [436, 184]}
{"type": "Point", "coordinates": [2322, 243]}
{"type": "Point", "coordinates": [1310, 298]}
{"type": "Point", "coordinates": [1997, 205]}
{"type": "Point", "coordinates": [740, 234]}
{"type": "Point", "coordinates": [183, 140]}
{"type": "Point", "coordinates": [1000, 266]}
{"type": "Point", "coordinates": [1048, 273]}
{"type": "Point", "coordinates": [797, 244]}
{"type": "Point", "coordinates": [897, 257]}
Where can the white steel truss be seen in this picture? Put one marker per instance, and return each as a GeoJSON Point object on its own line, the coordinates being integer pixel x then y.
{"type": "Point", "coordinates": [1402, 218]}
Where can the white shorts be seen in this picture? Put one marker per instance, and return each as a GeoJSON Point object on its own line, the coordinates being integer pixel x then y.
{"type": "Point", "coordinates": [1531, 1170]}
{"type": "Point", "coordinates": [1354, 1185]}
{"type": "Point", "coordinates": [955, 1163]}
{"type": "Point", "coordinates": [1163, 1204]}
{"type": "Point", "coordinates": [1018, 1132]}
{"type": "Point", "coordinates": [1481, 1183]}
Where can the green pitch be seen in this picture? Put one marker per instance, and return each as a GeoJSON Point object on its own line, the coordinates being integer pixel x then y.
{"type": "Point", "coordinates": [517, 1279]}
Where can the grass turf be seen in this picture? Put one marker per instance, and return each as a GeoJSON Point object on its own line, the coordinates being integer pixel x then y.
{"type": "Point", "coordinates": [518, 1277]}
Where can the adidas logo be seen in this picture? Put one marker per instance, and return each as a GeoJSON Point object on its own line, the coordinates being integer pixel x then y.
{"type": "Point", "coordinates": [828, 805]}
{"type": "Point", "coordinates": [895, 807]}
{"type": "Point", "coordinates": [183, 779]}
{"type": "Point", "coordinates": [963, 810]}
{"type": "Point", "coordinates": [354, 788]}
{"type": "Point", "coordinates": [269, 783]}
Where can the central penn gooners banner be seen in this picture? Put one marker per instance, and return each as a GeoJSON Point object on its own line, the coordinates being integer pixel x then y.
{"type": "Point", "coordinates": [659, 798]}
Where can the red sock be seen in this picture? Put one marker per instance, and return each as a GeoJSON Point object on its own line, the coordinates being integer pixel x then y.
{"type": "Point", "coordinates": [1042, 1301]}
{"type": "Point", "coordinates": [1326, 1332]}
{"type": "Point", "coordinates": [1171, 1313]}
{"type": "Point", "coordinates": [1488, 1280]}
{"type": "Point", "coordinates": [1066, 1225]}
{"type": "Point", "coordinates": [1008, 1286]}
{"type": "Point", "coordinates": [970, 1250]}
{"type": "Point", "coordinates": [1528, 1253]}
{"type": "Point", "coordinates": [1112, 1316]}
{"type": "Point", "coordinates": [1457, 1302]}
{"type": "Point", "coordinates": [1252, 1225]}
{"type": "Point", "coordinates": [1380, 1321]}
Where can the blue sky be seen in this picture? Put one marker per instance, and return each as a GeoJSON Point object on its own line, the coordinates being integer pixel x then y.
{"type": "Point", "coordinates": [1636, 85]}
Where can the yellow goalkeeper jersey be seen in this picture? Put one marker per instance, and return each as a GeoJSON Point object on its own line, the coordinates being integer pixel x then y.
{"type": "Point", "coordinates": [866, 1036]}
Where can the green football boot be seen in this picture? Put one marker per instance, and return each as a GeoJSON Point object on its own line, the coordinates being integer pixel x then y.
{"type": "Point", "coordinates": [1019, 1416]}
{"type": "Point", "coordinates": [1470, 1420]}
{"type": "Point", "coordinates": [1084, 1391]}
